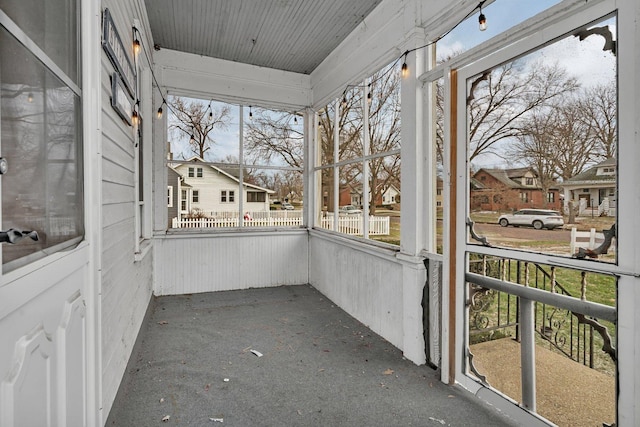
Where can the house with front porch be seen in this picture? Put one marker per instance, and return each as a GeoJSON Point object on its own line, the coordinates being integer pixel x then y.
{"type": "Point", "coordinates": [594, 190]}
{"type": "Point", "coordinates": [87, 245]}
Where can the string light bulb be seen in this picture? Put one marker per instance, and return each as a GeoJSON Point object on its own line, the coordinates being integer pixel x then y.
{"type": "Point", "coordinates": [482, 20]}
{"type": "Point", "coordinates": [344, 99]}
{"type": "Point", "coordinates": [136, 46]}
{"type": "Point", "coordinates": [250, 112]}
{"type": "Point", "coordinates": [30, 97]}
{"type": "Point", "coordinates": [405, 69]}
{"type": "Point", "coordinates": [369, 97]}
{"type": "Point", "coordinates": [160, 112]}
{"type": "Point", "coordinates": [134, 118]}
{"type": "Point", "coordinates": [192, 139]}
{"type": "Point", "coordinates": [295, 118]}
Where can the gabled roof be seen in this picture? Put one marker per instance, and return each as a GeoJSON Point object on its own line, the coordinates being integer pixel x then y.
{"type": "Point", "coordinates": [591, 176]}
{"type": "Point", "coordinates": [196, 159]}
{"type": "Point", "coordinates": [505, 176]}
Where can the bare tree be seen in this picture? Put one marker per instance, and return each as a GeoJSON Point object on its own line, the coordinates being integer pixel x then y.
{"type": "Point", "coordinates": [197, 121]}
{"type": "Point", "coordinates": [384, 133]}
{"type": "Point", "coordinates": [536, 147]}
{"type": "Point", "coordinates": [501, 100]}
{"type": "Point", "coordinates": [599, 109]}
{"type": "Point", "coordinates": [274, 135]}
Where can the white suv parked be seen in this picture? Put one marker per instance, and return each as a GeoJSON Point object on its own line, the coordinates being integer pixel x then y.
{"type": "Point", "coordinates": [536, 218]}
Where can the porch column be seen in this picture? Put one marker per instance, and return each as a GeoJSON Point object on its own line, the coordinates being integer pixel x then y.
{"type": "Point", "coordinates": [414, 189]}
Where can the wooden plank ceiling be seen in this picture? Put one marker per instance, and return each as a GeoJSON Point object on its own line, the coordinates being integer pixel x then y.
{"type": "Point", "coordinates": [291, 35]}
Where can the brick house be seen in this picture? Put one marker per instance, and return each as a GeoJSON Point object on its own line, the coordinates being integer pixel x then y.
{"type": "Point", "coordinates": [510, 189]}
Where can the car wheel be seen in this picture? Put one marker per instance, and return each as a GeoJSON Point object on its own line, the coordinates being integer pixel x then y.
{"type": "Point", "coordinates": [504, 222]}
{"type": "Point", "coordinates": [538, 225]}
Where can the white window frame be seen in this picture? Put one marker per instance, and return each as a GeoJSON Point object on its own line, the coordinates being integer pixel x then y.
{"type": "Point", "coordinates": [170, 196]}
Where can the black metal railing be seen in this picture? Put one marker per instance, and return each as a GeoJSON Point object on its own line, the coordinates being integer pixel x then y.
{"type": "Point", "coordinates": [494, 314]}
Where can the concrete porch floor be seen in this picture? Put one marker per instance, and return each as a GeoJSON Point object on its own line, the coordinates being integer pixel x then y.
{"type": "Point", "coordinates": [193, 363]}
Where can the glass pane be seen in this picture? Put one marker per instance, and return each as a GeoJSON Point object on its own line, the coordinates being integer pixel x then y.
{"type": "Point", "coordinates": [351, 200]}
{"type": "Point", "coordinates": [42, 189]}
{"type": "Point", "coordinates": [325, 134]}
{"type": "Point", "coordinates": [53, 26]}
{"type": "Point", "coordinates": [575, 352]}
{"type": "Point", "coordinates": [384, 110]}
{"type": "Point", "coordinates": [350, 146]}
{"type": "Point", "coordinates": [208, 130]}
{"type": "Point", "coordinates": [272, 198]}
{"type": "Point", "coordinates": [385, 189]}
{"type": "Point", "coordinates": [542, 148]}
{"type": "Point", "coordinates": [273, 138]}
{"type": "Point", "coordinates": [326, 203]}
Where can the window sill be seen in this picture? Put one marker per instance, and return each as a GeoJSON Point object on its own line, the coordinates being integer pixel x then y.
{"type": "Point", "coordinates": [145, 246]}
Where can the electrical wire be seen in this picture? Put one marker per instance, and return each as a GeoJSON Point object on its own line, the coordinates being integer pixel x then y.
{"type": "Point", "coordinates": [349, 86]}
{"type": "Point", "coordinates": [405, 53]}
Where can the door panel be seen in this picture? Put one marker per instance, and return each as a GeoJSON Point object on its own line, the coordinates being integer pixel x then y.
{"type": "Point", "coordinates": [43, 357]}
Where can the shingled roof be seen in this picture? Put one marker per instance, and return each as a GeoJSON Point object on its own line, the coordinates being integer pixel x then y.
{"type": "Point", "coordinates": [591, 174]}
{"type": "Point", "coordinates": [507, 176]}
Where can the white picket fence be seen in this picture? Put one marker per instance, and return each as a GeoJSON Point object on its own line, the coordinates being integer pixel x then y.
{"type": "Point", "coordinates": [233, 222]}
{"type": "Point", "coordinates": [351, 224]}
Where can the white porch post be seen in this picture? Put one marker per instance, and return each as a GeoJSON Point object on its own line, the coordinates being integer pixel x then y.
{"type": "Point", "coordinates": [628, 327]}
{"type": "Point", "coordinates": [336, 173]}
{"type": "Point", "coordinates": [413, 193]}
{"type": "Point", "coordinates": [91, 16]}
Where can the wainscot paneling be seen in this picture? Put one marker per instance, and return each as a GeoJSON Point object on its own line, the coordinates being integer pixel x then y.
{"type": "Point", "coordinates": [192, 263]}
{"type": "Point", "coordinates": [363, 280]}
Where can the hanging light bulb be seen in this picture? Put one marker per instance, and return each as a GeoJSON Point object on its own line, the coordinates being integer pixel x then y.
{"type": "Point", "coordinates": [344, 99]}
{"type": "Point", "coordinates": [134, 118]}
{"type": "Point", "coordinates": [192, 139]}
{"type": "Point", "coordinates": [295, 119]}
{"type": "Point", "coordinates": [160, 112]}
{"type": "Point", "coordinates": [136, 46]}
{"type": "Point", "coordinates": [404, 72]}
{"type": "Point", "coordinates": [30, 97]}
{"type": "Point", "coordinates": [482, 20]}
{"type": "Point", "coordinates": [369, 97]}
{"type": "Point", "coordinates": [250, 112]}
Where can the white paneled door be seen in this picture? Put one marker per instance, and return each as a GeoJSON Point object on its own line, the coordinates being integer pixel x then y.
{"type": "Point", "coordinates": [43, 351]}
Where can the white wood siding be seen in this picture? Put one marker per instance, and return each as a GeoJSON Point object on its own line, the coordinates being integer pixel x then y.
{"type": "Point", "coordinates": [365, 282]}
{"type": "Point", "coordinates": [187, 263]}
{"type": "Point", "coordinates": [211, 184]}
{"type": "Point", "coordinates": [126, 285]}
